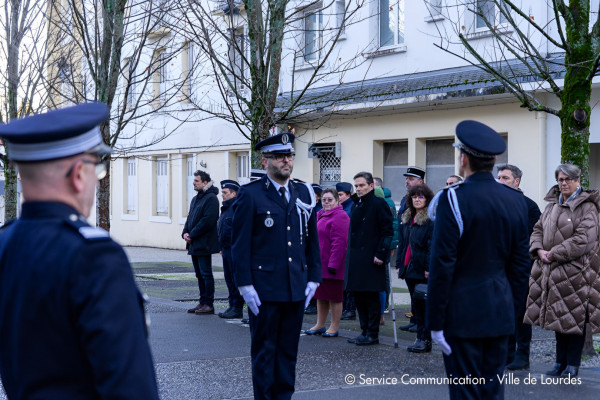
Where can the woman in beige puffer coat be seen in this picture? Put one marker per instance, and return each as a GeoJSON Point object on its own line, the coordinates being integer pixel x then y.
{"type": "Point", "coordinates": [564, 289]}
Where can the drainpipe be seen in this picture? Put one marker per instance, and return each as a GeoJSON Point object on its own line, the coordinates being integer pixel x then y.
{"type": "Point", "coordinates": [542, 134]}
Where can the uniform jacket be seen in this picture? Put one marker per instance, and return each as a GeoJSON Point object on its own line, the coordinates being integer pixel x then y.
{"type": "Point", "coordinates": [201, 223]}
{"type": "Point", "coordinates": [72, 320]}
{"type": "Point", "coordinates": [347, 205]}
{"type": "Point", "coordinates": [475, 281]}
{"type": "Point", "coordinates": [388, 199]}
{"type": "Point", "coordinates": [371, 232]}
{"type": "Point", "coordinates": [419, 237]}
{"type": "Point", "coordinates": [333, 226]}
{"type": "Point", "coordinates": [268, 250]}
{"type": "Point", "coordinates": [224, 223]}
{"type": "Point", "coordinates": [564, 292]}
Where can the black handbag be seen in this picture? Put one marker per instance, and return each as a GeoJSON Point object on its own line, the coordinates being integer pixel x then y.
{"type": "Point", "coordinates": [420, 292]}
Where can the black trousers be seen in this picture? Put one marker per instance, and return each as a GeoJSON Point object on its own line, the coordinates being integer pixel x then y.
{"type": "Point", "coordinates": [235, 298]}
{"type": "Point", "coordinates": [349, 304]}
{"type": "Point", "coordinates": [369, 312]}
{"type": "Point", "coordinates": [418, 309]}
{"type": "Point", "coordinates": [519, 343]}
{"type": "Point", "coordinates": [275, 333]}
{"type": "Point", "coordinates": [569, 348]}
{"type": "Point", "coordinates": [476, 358]}
{"type": "Point", "coordinates": [206, 281]}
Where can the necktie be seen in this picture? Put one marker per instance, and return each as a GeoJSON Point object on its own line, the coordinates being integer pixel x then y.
{"type": "Point", "coordinates": [282, 191]}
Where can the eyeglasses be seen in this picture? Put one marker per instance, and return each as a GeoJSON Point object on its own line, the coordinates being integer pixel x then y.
{"type": "Point", "coordinates": [566, 180]}
{"type": "Point", "coordinates": [101, 168]}
{"type": "Point", "coordinates": [328, 200]}
{"type": "Point", "coordinates": [281, 157]}
{"type": "Point", "coordinates": [417, 197]}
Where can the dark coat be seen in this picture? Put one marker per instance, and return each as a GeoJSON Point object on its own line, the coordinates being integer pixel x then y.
{"type": "Point", "coordinates": [72, 320]}
{"type": "Point", "coordinates": [419, 237]}
{"type": "Point", "coordinates": [475, 281]}
{"type": "Point", "coordinates": [268, 250]}
{"type": "Point", "coordinates": [347, 205]}
{"type": "Point", "coordinates": [371, 232]}
{"type": "Point", "coordinates": [388, 198]}
{"type": "Point", "coordinates": [201, 223]}
{"type": "Point", "coordinates": [533, 214]}
{"type": "Point", "coordinates": [224, 223]}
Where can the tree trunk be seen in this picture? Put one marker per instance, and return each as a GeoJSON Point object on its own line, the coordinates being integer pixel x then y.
{"type": "Point", "coordinates": [10, 193]}
{"type": "Point", "coordinates": [103, 194]}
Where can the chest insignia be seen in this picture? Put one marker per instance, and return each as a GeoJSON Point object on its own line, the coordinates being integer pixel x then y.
{"type": "Point", "coordinates": [269, 221]}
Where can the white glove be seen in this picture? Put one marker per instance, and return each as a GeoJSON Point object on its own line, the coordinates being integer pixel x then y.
{"type": "Point", "coordinates": [438, 338]}
{"type": "Point", "coordinates": [250, 297]}
{"type": "Point", "coordinates": [311, 288]}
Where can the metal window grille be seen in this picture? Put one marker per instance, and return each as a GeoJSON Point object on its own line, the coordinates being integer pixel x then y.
{"type": "Point", "coordinates": [330, 168]}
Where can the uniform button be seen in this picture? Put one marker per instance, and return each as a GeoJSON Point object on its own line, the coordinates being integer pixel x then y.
{"type": "Point", "coordinates": [260, 267]}
{"type": "Point", "coordinates": [289, 228]}
{"type": "Point", "coordinates": [290, 259]}
{"type": "Point", "coordinates": [289, 243]}
{"type": "Point", "coordinates": [73, 217]}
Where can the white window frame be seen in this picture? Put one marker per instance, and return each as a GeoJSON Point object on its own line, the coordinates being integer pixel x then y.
{"type": "Point", "coordinates": [160, 76]}
{"type": "Point", "coordinates": [157, 216]}
{"type": "Point", "coordinates": [188, 69]}
{"type": "Point", "coordinates": [239, 68]}
{"type": "Point", "coordinates": [497, 17]}
{"type": "Point", "coordinates": [315, 56]}
{"type": "Point", "coordinates": [242, 168]}
{"type": "Point", "coordinates": [130, 189]}
{"type": "Point", "coordinates": [340, 10]}
{"type": "Point", "coordinates": [393, 16]}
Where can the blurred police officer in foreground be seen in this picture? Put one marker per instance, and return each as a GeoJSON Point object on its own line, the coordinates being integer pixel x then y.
{"type": "Point", "coordinates": [71, 317]}
{"type": "Point", "coordinates": [229, 190]}
{"type": "Point", "coordinates": [479, 267]}
{"type": "Point", "coordinates": [277, 265]}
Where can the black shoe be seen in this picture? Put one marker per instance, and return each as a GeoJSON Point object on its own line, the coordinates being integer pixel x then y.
{"type": "Point", "coordinates": [558, 369]}
{"type": "Point", "coordinates": [424, 346]}
{"type": "Point", "coordinates": [570, 372]}
{"type": "Point", "coordinates": [348, 315]}
{"type": "Point", "coordinates": [353, 340]}
{"type": "Point", "coordinates": [518, 364]}
{"type": "Point", "coordinates": [406, 328]}
{"type": "Point", "coordinates": [416, 343]}
{"type": "Point", "coordinates": [193, 310]}
{"type": "Point", "coordinates": [245, 320]}
{"type": "Point", "coordinates": [310, 310]}
{"type": "Point", "coordinates": [413, 329]}
{"type": "Point", "coordinates": [224, 312]}
{"type": "Point", "coordinates": [366, 341]}
{"type": "Point", "coordinates": [232, 313]}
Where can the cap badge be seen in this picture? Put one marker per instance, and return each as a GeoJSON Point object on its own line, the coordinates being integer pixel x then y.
{"type": "Point", "coordinates": [285, 138]}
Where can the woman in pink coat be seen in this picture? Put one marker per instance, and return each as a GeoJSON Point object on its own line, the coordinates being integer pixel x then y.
{"type": "Point", "coordinates": [332, 226]}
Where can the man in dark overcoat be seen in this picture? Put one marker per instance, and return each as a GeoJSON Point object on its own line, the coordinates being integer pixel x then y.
{"type": "Point", "coordinates": [371, 233]}
{"type": "Point", "coordinates": [229, 190]}
{"type": "Point", "coordinates": [478, 271]}
{"type": "Point", "coordinates": [72, 320]}
{"type": "Point", "coordinates": [202, 239]}
{"type": "Point", "coordinates": [277, 265]}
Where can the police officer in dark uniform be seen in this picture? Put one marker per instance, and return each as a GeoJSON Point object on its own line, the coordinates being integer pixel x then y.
{"type": "Point", "coordinates": [277, 266]}
{"type": "Point", "coordinates": [479, 266]}
{"type": "Point", "coordinates": [229, 190]}
{"type": "Point", "coordinates": [72, 321]}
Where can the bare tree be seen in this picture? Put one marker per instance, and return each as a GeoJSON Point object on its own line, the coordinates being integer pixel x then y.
{"type": "Point", "coordinates": [22, 62]}
{"type": "Point", "coordinates": [529, 54]}
{"type": "Point", "coordinates": [247, 44]}
{"type": "Point", "coordinates": [528, 57]}
{"type": "Point", "coordinates": [116, 52]}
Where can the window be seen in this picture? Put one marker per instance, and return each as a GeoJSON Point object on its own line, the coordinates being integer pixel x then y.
{"type": "Point", "coordinates": [243, 168]}
{"type": "Point", "coordinates": [439, 160]}
{"type": "Point", "coordinates": [130, 81]}
{"type": "Point", "coordinates": [160, 76]}
{"type": "Point", "coordinates": [313, 35]}
{"type": "Point", "coordinates": [132, 189]}
{"type": "Point", "coordinates": [340, 14]}
{"type": "Point", "coordinates": [162, 186]}
{"type": "Point", "coordinates": [189, 181]}
{"type": "Point", "coordinates": [391, 22]}
{"type": "Point", "coordinates": [237, 53]}
{"type": "Point", "coordinates": [489, 12]}
{"type": "Point", "coordinates": [188, 67]}
{"type": "Point", "coordinates": [395, 162]}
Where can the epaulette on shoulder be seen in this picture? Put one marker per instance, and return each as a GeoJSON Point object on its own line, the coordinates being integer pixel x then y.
{"type": "Point", "coordinates": [296, 180]}
{"type": "Point", "coordinates": [251, 182]}
{"type": "Point", "coordinates": [88, 232]}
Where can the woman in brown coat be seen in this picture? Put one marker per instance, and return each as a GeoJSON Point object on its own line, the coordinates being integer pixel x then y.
{"type": "Point", "coordinates": [563, 290]}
